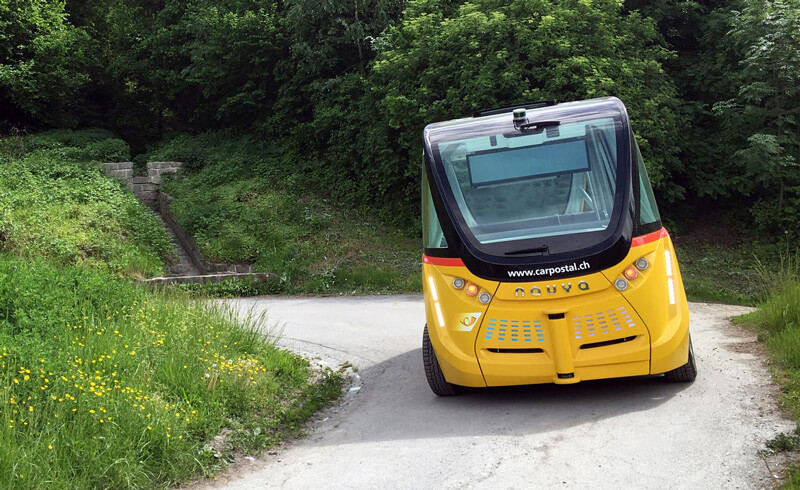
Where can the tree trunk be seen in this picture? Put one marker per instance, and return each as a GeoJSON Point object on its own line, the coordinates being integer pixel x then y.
{"type": "Point", "coordinates": [358, 41]}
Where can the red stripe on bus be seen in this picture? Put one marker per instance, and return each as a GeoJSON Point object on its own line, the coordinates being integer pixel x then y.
{"type": "Point", "coordinates": [650, 237]}
{"type": "Point", "coordinates": [447, 261]}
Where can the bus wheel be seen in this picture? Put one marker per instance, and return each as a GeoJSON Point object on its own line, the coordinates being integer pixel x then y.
{"type": "Point", "coordinates": [685, 373]}
{"type": "Point", "coordinates": [433, 372]}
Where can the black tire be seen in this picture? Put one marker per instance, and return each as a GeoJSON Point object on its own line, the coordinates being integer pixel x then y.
{"type": "Point", "coordinates": [686, 373]}
{"type": "Point", "coordinates": [433, 371]}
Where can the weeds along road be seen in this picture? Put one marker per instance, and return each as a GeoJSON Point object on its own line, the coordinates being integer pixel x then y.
{"type": "Point", "coordinates": [392, 432]}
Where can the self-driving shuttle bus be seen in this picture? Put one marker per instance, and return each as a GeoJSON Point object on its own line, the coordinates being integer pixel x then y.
{"type": "Point", "coordinates": [545, 257]}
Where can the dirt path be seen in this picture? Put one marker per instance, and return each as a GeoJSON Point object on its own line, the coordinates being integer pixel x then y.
{"type": "Point", "coordinates": [392, 432]}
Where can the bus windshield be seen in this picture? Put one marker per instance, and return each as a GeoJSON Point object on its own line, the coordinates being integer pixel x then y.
{"type": "Point", "coordinates": [557, 180]}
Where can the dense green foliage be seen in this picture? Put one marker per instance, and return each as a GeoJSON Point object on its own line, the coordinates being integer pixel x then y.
{"type": "Point", "coordinates": [237, 214]}
{"type": "Point", "coordinates": [55, 203]}
{"type": "Point", "coordinates": [736, 69]}
{"type": "Point", "coordinates": [439, 63]}
{"type": "Point", "coordinates": [341, 90]}
{"type": "Point", "coordinates": [768, 109]}
{"type": "Point", "coordinates": [42, 61]}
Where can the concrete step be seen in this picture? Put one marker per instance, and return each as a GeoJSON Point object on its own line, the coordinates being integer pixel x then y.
{"type": "Point", "coordinates": [257, 277]}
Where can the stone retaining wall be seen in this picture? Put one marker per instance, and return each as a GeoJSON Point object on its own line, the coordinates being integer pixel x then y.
{"type": "Point", "coordinates": [123, 170]}
{"type": "Point", "coordinates": [145, 187]}
{"type": "Point", "coordinates": [187, 242]}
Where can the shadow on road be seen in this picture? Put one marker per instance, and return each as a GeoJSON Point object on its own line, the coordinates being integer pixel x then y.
{"type": "Point", "coordinates": [395, 403]}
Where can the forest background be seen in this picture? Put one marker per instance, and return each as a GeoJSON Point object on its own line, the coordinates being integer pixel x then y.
{"type": "Point", "coordinates": [334, 94]}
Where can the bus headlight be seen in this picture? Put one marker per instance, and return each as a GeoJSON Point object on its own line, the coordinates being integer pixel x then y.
{"type": "Point", "coordinates": [458, 283]}
{"type": "Point", "coordinates": [485, 297]}
{"type": "Point", "coordinates": [642, 264]}
{"type": "Point", "coordinates": [621, 284]}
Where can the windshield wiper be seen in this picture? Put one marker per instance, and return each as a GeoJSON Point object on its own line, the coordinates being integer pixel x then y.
{"type": "Point", "coordinates": [538, 126]}
{"type": "Point", "coordinates": [543, 250]}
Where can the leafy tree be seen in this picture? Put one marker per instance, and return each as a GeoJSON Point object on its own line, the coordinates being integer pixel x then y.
{"type": "Point", "coordinates": [704, 70]}
{"type": "Point", "coordinates": [323, 40]}
{"type": "Point", "coordinates": [144, 66]}
{"type": "Point", "coordinates": [231, 54]}
{"type": "Point", "coordinates": [42, 62]}
{"type": "Point", "coordinates": [444, 61]}
{"type": "Point", "coordinates": [766, 109]}
{"type": "Point", "coordinates": [189, 64]}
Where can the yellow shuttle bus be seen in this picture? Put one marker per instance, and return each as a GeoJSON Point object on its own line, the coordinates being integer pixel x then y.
{"type": "Point", "coordinates": [545, 257]}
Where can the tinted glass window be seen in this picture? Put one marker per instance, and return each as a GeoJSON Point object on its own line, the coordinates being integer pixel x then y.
{"type": "Point", "coordinates": [560, 180]}
{"type": "Point", "coordinates": [432, 235]}
{"type": "Point", "coordinates": [648, 211]}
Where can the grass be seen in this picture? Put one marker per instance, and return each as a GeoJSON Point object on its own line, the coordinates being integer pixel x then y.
{"type": "Point", "coordinates": [241, 205]}
{"type": "Point", "coordinates": [719, 274]}
{"type": "Point", "coordinates": [732, 270]}
{"type": "Point", "coordinates": [106, 384]}
{"type": "Point", "coordinates": [777, 323]}
{"type": "Point", "coordinates": [55, 203]}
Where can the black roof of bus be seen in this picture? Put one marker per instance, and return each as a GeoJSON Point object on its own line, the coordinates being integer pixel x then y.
{"type": "Point", "coordinates": [489, 119]}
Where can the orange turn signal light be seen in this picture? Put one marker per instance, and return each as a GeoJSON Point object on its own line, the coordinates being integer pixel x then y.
{"type": "Point", "coordinates": [631, 273]}
{"type": "Point", "coordinates": [472, 289]}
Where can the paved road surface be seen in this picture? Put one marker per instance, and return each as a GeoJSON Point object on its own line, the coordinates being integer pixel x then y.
{"type": "Point", "coordinates": [392, 432]}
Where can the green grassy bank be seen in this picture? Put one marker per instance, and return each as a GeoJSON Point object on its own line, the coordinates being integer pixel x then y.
{"type": "Point", "coordinates": [56, 204]}
{"type": "Point", "coordinates": [777, 322]}
{"type": "Point", "coordinates": [105, 384]}
{"type": "Point", "coordinates": [243, 203]}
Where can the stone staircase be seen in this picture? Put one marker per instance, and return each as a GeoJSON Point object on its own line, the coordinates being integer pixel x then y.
{"type": "Point", "coordinates": [193, 267]}
{"type": "Point", "coordinates": [185, 267]}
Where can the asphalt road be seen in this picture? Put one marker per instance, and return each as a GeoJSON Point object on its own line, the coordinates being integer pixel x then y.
{"type": "Point", "coordinates": [392, 432]}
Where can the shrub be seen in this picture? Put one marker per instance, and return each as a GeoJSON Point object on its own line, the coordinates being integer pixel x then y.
{"type": "Point", "coordinates": [54, 205]}
{"type": "Point", "coordinates": [243, 205]}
